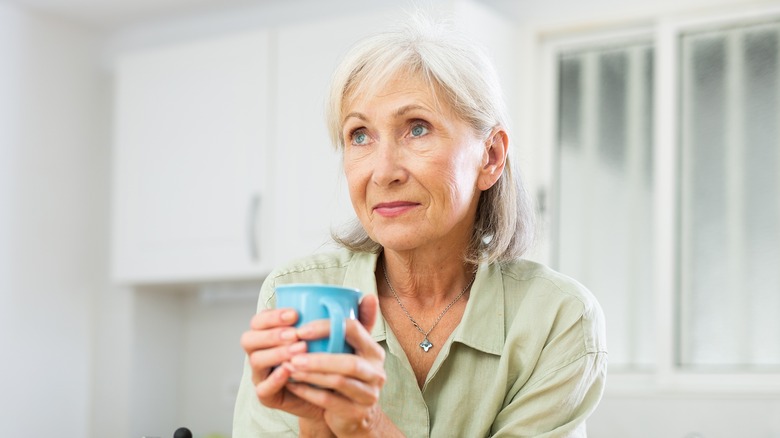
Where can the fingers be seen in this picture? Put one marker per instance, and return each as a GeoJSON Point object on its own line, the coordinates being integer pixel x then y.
{"type": "Point", "coordinates": [356, 335]}
{"type": "Point", "coordinates": [316, 396]}
{"type": "Point", "coordinates": [253, 340]}
{"type": "Point", "coordinates": [346, 387]}
{"type": "Point", "coordinates": [269, 389]}
{"type": "Point", "coordinates": [358, 377]}
{"type": "Point", "coordinates": [340, 414]}
{"type": "Point", "coordinates": [362, 390]}
{"type": "Point", "coordinates": [273, 318]}
{"type": "Point", "coordinates": [352, 378]}
{"type": "Point", "coordinates": [347, 365]}
{"type": "Point", "coordinates": [270, 341]}
{"type": "Point", "coordinates": [365, 346]}
{"type": "Point", "coordinates": [270, 328]}
{"type": "Point", "coordinates": [368, 311]}
{"type": "Point", "coordinates": [273, 392]}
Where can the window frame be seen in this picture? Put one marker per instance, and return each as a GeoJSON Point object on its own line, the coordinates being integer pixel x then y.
{"type": "Point", "coordinates": [663, 32]}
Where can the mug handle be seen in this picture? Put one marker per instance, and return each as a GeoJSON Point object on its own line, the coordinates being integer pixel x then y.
{"type": "Point", "coordinates": [338, 325]}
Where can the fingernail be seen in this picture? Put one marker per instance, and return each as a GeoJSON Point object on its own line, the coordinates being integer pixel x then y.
{"type": "Point", "coordinates": [288, 335]}
{"type": "Point", "coordinates": [299, 360]}
{"type": "Point", "coordinates": [278, 375]}
{"type": "Point", "coordinates": [288, 315]}
{"type": "Point", "coordinates": [298, 347]}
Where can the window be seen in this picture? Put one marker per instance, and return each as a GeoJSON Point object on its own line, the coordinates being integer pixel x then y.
{"type": "Point", "coordinates": [604, 221]}
{"type": "Point", "coordinates": [667, 192]}
{"type": "Point", "coordinates": [730, 197]}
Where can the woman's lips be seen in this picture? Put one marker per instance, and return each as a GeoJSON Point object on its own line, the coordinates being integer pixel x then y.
{"type": "Point", "coordinates": [392, 209]}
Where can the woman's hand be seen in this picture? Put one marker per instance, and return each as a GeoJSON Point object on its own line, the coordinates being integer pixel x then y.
{"type": "Point", "coordinates": [270, 343]}
{"type": "Point", "coordinates": [346, 399]}
{"type": "Point", "coordinates": [345, 386]}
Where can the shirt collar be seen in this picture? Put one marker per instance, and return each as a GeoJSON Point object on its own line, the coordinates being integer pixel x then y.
{"type": "Point", "coordinates": [482, 325]}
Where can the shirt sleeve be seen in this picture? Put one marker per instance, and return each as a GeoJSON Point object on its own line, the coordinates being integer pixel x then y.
{"type": "Point", "coordinates": [567, 380]}
{"type": "Point", "coordinates": [250, 417]}
{"type": "Point", "coordinates": [558, 404]}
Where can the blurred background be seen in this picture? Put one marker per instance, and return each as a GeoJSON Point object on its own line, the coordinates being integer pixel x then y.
{"type": "Point", "coordinates": [159, 157]}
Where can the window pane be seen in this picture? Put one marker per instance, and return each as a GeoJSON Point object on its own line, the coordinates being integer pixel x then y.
{"type": "Point", "coordinates": [730, 198]}
{"type": "Point", "coordinates": [571, 93]}
{"type": "Point", "coordinates": [762, 194]}
{"type": "Point", "coordinates": [612, 101]}
{"type": "Point", "coordinates": [705, 208]}
{"type": "Point", "coordinates": [604, 211]}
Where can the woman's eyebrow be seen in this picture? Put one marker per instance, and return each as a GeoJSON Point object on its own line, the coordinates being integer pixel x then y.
{"type": "Point", "coordinates": [355, 115]}
{"type": "Point", "coordinates": [406, 108]}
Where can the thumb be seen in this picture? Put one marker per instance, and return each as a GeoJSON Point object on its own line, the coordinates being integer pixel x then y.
{"type": "Point", "coordinates": [368, 311]}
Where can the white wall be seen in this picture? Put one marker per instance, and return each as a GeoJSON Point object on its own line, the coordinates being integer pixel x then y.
{"type": "Point", "coordinates": [210, 349]}
{"type": "Point", "coordinates": [53, 222]}
{"type": "Point", "coordinates": [686, 416]}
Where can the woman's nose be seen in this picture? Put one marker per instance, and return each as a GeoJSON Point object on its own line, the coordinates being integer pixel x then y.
{"type": "Point", "coordinates": [388, 164]}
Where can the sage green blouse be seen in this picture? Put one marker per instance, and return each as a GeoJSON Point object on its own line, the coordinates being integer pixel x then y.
{"type": "Point", "coordinates": [527, 360]}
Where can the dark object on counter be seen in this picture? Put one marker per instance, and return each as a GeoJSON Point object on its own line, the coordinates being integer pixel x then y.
{"type": "Point", "coordinates": [182, 432]}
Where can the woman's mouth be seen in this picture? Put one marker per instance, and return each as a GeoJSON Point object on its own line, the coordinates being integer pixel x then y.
{"type": "Point", "coordinates": [395, 208]}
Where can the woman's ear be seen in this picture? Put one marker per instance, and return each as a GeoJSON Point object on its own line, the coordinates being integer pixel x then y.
{"type": "Point", "coordinates": [493, 158]}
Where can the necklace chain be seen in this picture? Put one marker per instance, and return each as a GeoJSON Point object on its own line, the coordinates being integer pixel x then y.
{"type": "Point", "coordinates": [425, 344]}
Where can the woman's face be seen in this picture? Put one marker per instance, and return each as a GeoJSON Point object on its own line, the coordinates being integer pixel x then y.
{"type": "Point", "coordinates": [412, 166]}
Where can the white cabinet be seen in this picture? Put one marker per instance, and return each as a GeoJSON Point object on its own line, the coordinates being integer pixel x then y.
{"type": "Point", "coordinates": [190, 187]}
{"type": "Point", "coordinates": [223, 164]}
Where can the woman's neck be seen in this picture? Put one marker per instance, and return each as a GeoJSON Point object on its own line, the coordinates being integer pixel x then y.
{"type": "Point", "coordinates": [429, 281]}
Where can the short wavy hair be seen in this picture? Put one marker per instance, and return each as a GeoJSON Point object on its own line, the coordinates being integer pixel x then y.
{"type": "Point", "coordinates": [461, 73]}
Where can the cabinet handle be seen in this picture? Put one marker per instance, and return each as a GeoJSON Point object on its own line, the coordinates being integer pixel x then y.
{"type": "Point", "coordinates": [253, 238]}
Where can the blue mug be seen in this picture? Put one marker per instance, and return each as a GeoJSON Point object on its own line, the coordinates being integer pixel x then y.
{"type": "Point", "coordinates": [322, 301]}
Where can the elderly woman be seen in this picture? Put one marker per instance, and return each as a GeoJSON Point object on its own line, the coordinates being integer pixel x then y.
{"type": "Point", "coordinates": [457, 335]}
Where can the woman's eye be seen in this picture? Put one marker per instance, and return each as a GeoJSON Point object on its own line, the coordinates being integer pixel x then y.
{"type": "Point", "coordinates": [359, 137]}
{"type": "Point", "coordinates": [419, 130]}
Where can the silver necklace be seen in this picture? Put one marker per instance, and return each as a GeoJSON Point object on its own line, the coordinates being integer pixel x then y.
{"type": "Point", "coordinates": [425, 344]}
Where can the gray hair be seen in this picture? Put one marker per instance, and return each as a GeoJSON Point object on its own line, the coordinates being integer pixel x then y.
{"type": "Point", "coordinates": [462, 74]}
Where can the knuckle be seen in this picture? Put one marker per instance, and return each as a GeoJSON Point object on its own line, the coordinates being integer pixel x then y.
{"type": "Point", "coordinates": [253, 359]}
{"type": "Point", "coordinates": [327, 398]}
{"type": "Point", "coordinates": [339, 381]}
{"type": "Point", "coordinates": [256, 359]}
{"type": "Point", "coordinates": [355, 367]}
{"type": "Point", "coordinates": [261, 392]}
{"type": "Point", "coordinates": [381, 379]}
{"type": "Point", "coordinates": [245, 340]}
{"type": "Point", "coordinates": [257, 320]}
{"type": "Point", "coordinates": [373, 397]}
{"type": "Point", "coordinates": [264, 396]}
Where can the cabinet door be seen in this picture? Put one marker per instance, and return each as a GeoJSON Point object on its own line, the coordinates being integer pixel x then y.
{"type": "Point", "coordinates": [191, 129]}
{"type": "Point", "coordinates": [309, 186]}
